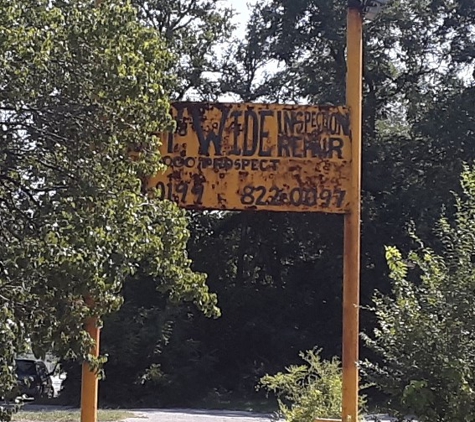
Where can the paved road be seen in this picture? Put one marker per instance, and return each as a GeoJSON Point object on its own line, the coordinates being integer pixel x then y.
{"type": "Point", "coordinates": [187, 415]}
{"type": "Point", "coordinates": [193, 415]}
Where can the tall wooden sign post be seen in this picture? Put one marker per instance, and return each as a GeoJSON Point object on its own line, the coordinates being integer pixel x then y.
{"type": "Point", "coordinates": [271, 157]}
{"type": "Point", "coordinates": [351, 264]}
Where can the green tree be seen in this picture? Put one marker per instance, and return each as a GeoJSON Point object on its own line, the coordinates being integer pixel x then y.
{"type": "Point", "coordinates": [82, 87]}
{"type": "Point", "coordinates": [194, 31]}
{"type": "Point", "coordinates": [425, 327]}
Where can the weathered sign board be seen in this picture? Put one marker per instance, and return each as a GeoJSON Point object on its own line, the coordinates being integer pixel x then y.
{"type": "Point", "coordinates": [257, 157]}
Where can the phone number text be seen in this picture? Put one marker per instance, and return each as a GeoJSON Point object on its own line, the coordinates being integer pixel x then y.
{"type": "Point", "coordinates": [297, 197]}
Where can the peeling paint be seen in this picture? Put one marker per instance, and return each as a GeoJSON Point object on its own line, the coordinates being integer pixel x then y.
{"type": "Point", "coordinates": [257, 157]}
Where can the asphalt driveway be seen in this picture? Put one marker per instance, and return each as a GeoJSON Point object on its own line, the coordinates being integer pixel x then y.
{"type": "Point", "coordinates": [189, 415]}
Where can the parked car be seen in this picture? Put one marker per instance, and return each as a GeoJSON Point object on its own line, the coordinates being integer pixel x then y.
{"type": "Point", "coordinates": [34, 379]}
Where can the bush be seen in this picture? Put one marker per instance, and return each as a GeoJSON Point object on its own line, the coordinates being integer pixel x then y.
{"type": "Point", "coordinates": [308, 391]}
{"type": "Point", "coordinates": [425, 333]}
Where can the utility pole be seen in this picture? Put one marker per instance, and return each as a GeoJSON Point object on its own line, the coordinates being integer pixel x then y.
{"type": "Point", "coordinates": [352, 238]}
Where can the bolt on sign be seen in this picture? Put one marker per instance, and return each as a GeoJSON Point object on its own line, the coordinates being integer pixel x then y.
{"type": "Point", "coordinates": [257, 157]}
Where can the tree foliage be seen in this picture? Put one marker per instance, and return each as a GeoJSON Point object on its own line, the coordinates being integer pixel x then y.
{"type": "Point", "coordinates": [81, 87]}
{"type": "Point", "coordinates": [193, 31]}
{"type": "Point", "coordinates": [425, 327]}
{"type": "Point", "coordinates": [279, 276]}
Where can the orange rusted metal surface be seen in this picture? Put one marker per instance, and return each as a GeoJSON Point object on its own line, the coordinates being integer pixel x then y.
{"type": "Point", "coordinates": [257, 157]}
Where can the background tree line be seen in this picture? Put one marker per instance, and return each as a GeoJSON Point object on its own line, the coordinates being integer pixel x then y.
{"type": "Point", "coordinates": [278, 276]}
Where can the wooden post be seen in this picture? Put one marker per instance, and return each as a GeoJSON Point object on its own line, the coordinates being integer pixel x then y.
{"type": "Point", "coordinates": [90, 383]}
{"type": "Point", "coordinates": [351, 265]}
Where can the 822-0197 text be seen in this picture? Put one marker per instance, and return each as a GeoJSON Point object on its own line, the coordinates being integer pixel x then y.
{"type": "Point", "coordinates": [298, 196]}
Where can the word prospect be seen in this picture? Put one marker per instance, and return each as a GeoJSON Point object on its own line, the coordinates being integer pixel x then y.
{"type": "Point", "coordinates": [257, 157]}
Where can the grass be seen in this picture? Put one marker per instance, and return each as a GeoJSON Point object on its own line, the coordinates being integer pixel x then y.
{"type": "Point", "coordinates": [103, 415]}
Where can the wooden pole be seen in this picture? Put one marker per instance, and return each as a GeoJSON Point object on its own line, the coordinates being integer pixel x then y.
{"type": "Point", "coordinates": [351, 265]}
{"type": "Point", "coordinates": [90, 383]}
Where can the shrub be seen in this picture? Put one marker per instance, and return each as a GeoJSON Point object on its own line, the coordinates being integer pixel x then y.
{"type": "Point", "coordinates": [305, 392]}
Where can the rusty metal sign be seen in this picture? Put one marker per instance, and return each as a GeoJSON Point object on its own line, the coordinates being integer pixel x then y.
{"type": "Point", "coordinates": [257, 157]}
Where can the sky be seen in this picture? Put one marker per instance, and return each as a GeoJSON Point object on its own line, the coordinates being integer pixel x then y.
{"type": "Point", "coordinates": [242, 10]}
